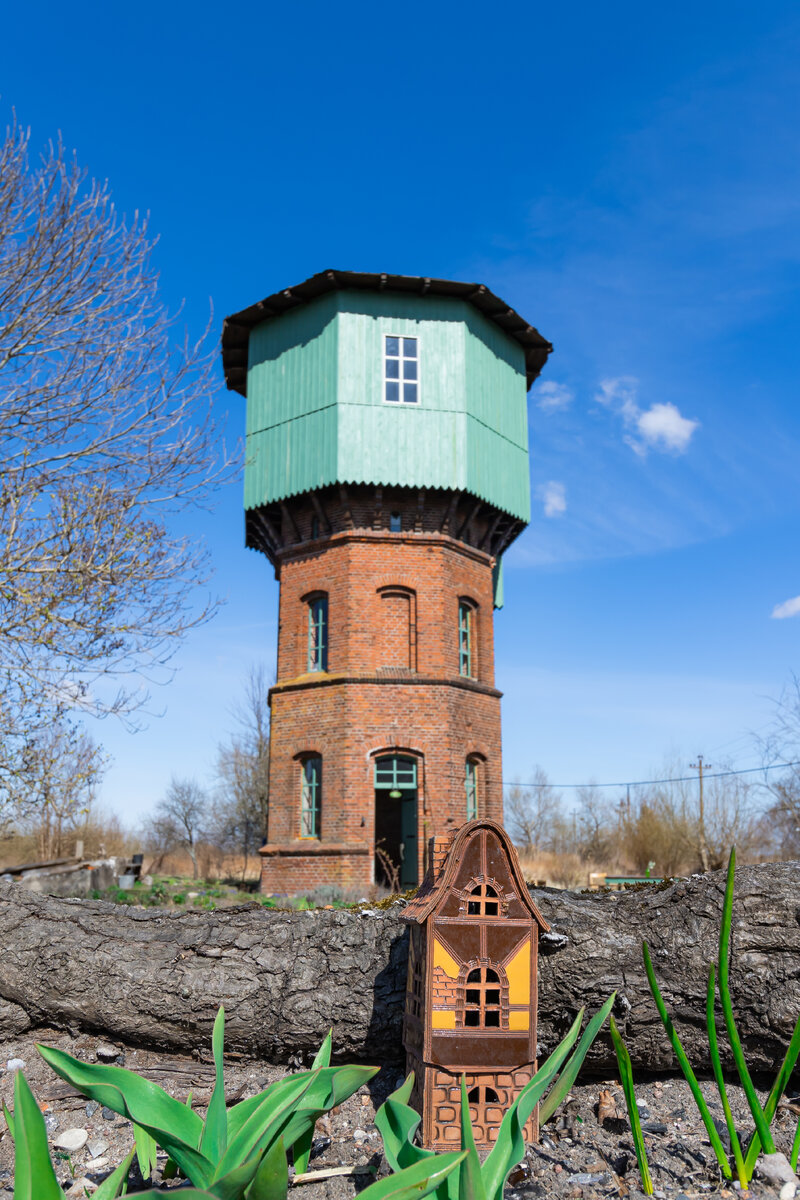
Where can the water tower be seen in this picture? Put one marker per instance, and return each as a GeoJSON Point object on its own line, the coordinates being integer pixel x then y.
{"type": "Point", "coordinates": [386, 474]}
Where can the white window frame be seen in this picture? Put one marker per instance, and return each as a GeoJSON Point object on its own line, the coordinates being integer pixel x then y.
{"type": "Point", "coordinates": [401, 403]}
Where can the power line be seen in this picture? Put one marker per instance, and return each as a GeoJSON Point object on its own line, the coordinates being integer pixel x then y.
{"type": "Point", "coordinates": [643, 782]}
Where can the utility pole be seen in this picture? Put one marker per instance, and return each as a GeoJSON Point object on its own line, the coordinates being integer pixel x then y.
{"type": "Point", "coordinates": [700, 766]}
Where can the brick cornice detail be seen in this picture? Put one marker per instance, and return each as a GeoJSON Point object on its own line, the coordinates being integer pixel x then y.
{"type": "Point", "coordinates": [380, 679]}
{"type": "Point", "coordinates": [379, 536]}
{"type": "Point", "coordinates": [303, 847]}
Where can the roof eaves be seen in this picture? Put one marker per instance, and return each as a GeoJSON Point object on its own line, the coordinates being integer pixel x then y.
{"type": "Point", "coordinates": [236, 328]}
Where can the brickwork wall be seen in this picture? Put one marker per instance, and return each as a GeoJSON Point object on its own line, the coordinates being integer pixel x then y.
{"type": "Point", "coordinates": [442, 1131]}
{"type": "Point", "coordinates": [363, 706]}
{"type": "Point", "coordinates": [352, 569]}
{"type": "Point", "coordinates": [444, 990]}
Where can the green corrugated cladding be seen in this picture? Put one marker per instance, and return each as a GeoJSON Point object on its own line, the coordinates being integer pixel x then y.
{"type": "Point", "coordinates": [316, 416]}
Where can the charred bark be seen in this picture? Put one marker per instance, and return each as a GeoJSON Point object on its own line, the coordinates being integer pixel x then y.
{"type": "Point", "coordinates": [156, 977]}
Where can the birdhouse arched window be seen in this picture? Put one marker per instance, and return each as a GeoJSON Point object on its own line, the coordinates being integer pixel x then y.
{"type": "Point", "coordinates": [485, 998]}
{"type": "Point", "coordinates": [483, 901]}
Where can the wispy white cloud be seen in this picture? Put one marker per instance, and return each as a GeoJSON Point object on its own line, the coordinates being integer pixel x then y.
{"type": "Point", "coordinates": [554, 498]}
{"type": "Point", "coordinates": [551, 396]}
{"type": "Point", "coordinates": [659, 427]}
{"type": "Point", "coordinates": [789, 608]}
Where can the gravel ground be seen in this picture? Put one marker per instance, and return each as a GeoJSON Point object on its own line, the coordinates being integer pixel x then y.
{"type": "Point", "coordinates": [576, 1157]}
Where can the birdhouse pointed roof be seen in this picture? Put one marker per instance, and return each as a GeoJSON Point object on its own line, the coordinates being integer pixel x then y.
{"type": "Point", "coordinates": [434, 891]}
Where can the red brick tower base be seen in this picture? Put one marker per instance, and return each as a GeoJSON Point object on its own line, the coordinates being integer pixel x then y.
{"type": "Point", "coordinates": [395, 683]}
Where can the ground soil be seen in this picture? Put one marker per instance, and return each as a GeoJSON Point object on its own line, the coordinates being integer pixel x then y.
{"type": "Point", "coordinates": [576, 1157]}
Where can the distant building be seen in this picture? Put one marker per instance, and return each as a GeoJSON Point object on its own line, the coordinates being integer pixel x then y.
{"type": "Point", "coordinates": [386, 474]}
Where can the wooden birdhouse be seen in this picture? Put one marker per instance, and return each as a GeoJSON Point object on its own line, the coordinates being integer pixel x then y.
{"type": "Point", "coordinates": [471, 995]}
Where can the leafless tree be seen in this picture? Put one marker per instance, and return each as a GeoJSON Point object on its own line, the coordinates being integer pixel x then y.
{"type": "Point", "coordinates": [594, 822]}
{"type": "Point", "coordinates": [106, 435]}
{"type": "Point", "coordinates": [179, 818]}
{"type": "Point", "coordinates": [51, 791]}
{"type": "Point", "coordinates": [780, 752]}
{"type": "Point", "coordinates": [530, 809]}
{"type": "Point", "coordinates": [663, 825]}
{"type": "Point", "coordinates": [241, 811]}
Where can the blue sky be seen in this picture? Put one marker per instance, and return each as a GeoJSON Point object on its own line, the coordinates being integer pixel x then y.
{"type": "Point", "coordinates": [629, 179]}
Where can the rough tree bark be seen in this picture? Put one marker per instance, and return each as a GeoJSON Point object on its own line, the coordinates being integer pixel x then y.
{"type": "Point", "coordinates": [155, 978]}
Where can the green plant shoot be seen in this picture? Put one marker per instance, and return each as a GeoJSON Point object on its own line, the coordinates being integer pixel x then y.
{"type": "Point", "coordinates": [762, 1127]}
{"type": "Point", "coordinates": [680, 1054]}
{"type": "Point", "coordinates": [716, 1065]}
{"type": "Point", "coordinates": [626, 1077]}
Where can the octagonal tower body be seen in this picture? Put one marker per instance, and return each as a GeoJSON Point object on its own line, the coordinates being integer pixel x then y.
{"type": "Point", "coordinates": [385, 512]}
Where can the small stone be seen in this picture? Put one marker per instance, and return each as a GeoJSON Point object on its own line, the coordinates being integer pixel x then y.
{"type": "Point", "coordinates": [787, 1191]}
{"type": "Point", "coordinates": [558, 1168]}
{"type": "Point", "coordinates": [359, 1134]}
{"type": "Point", "coordinates": [776, 1168]}
{"type": "Point", "coordinates": [15, 1064]}
{"type": "Point", "coordinates": [365, 1101]}
{"type": "Point", "coordinates": [659, 1195]}
{"type": "Point", "coordinates": [82, 1187]}
{"type": "Point", "coordinates": [96, 1147]}
{"type": "Point", "coordinates": [108, 1114]}
{"type": "Point", "coordinates": [105, 1053]}
{"type": "Point", "coordinates": [583, 1177]}
{"type": "Point", "coordinates": [71, 1140]}
{"type": "Point", "coordinates": [96, 1163]}
{"type": "Point", "coordinates": [51, 1122]}
{"type": "Point", "coordinates": [91, 1108]}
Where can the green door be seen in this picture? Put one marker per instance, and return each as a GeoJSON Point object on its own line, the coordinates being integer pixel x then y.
{"type": "Point", "coordinates": [396, 821]}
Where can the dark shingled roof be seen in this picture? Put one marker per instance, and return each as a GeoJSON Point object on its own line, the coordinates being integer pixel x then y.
{"type": "Point", "coordinates": [236, 328]}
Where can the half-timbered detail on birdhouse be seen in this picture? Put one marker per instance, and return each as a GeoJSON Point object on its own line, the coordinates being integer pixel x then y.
{"type": "Point", "coordinates": [386, 474]}
{"type": "Point", "coordinates": [471, 998]}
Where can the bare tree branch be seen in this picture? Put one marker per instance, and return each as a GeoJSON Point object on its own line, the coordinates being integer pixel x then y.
{"type": "Point", "coordinates": [107, 437]}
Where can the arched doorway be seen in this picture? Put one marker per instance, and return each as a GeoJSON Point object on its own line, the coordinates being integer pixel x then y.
{"type": "Point", "coordinates": [396, 820]}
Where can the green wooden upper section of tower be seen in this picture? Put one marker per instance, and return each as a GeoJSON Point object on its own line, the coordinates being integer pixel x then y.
{"type": "Point", "coordinates": [315, 362]}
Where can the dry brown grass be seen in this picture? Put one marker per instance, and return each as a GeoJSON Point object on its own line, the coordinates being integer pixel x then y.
{"type": "Point", "coordinates": [101, 835]}
{"type": "Point", "coordinates": [563, 870]}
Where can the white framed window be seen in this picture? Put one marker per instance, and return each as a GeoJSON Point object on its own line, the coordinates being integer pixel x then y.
{"type": "Point", "coordinates": [400, 369]}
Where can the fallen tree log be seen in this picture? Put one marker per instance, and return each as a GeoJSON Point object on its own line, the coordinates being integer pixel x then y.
{"type": "Point", "coordinates": [155, 977]}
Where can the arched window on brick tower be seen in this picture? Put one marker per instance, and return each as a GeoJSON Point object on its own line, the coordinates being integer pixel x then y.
{"type": "Point", "coordinates": [310, 795]}
{"type": "Point", "coordinates": [318, 638]}
{"type": "Point", "coordinates": [474, 783]}
{"type": "Point", "coordinates": [468, 660]}
{"type": "Point", "coordinates": [397, 646]}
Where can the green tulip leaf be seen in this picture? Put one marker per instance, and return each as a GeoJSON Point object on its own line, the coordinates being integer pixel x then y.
{"type": "Point", "coordinates": [301, 1150]}
{"type": "Point", "coordinates": [34, 1177]}
{"type": "Point", "coordinates": [214, 1139]}
{"type": "Point", "coordinates": [412, 1183]}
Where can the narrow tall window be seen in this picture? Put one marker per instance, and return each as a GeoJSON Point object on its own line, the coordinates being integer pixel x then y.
{"type": "Point", "coordinates": [400, 370]}
{"type": "Point", "coordinates": [471, 787]}
{"type": "Point", "coordinates": [464, 639]}
{"type": "Point", "coordinates": [482, 999]}
{"type": "Point", "coordinates": [310, 797]}
{"type": "Point", "coordinates": [318, 634]}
